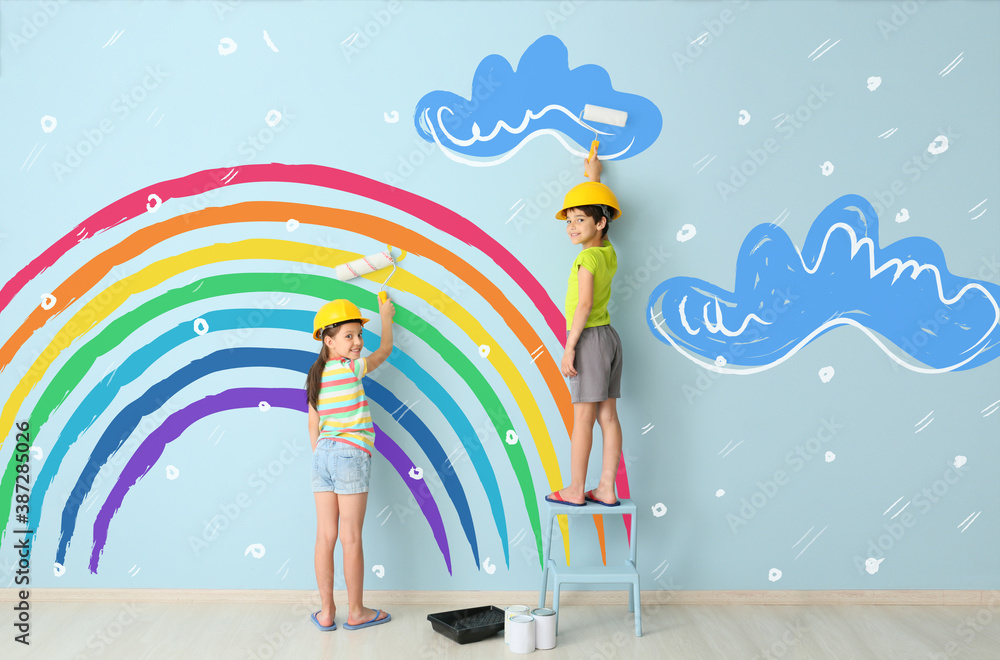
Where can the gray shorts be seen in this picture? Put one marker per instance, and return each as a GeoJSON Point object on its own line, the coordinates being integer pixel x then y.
{"type": "Point", "coordinates": [340, 468]}
{"type": "Point", "coordinates": [598, 366]}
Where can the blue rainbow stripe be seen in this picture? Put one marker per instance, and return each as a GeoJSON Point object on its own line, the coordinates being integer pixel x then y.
{"type": "Point", "coordinates": [129, 417]}
{"type": "Point", "coordinates": [102, 396]}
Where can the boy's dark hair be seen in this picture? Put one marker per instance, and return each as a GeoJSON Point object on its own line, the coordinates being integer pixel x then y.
{"type": "Point", "coordinates": [596, 211]}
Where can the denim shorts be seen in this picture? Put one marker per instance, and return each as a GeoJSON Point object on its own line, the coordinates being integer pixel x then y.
{"type": "Point", "coordinates": [340, 468]}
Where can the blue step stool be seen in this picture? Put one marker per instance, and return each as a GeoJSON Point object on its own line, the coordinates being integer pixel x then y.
{"type": "Point", "coordinates": [625, 574]}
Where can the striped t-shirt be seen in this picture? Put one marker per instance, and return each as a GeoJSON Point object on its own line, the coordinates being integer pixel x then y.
{"type": "Point", "coordinates": [343, 410]}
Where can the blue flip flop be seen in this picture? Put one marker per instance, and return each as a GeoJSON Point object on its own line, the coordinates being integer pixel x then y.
{"type": "Point", "coordinates": [589, 497]}
{"type": "Point", "coordinates": [332, 626]}
{"type": "Point", "coordinates": [374, 621]}
{"type": "Point", "coordinates": [556, 498]}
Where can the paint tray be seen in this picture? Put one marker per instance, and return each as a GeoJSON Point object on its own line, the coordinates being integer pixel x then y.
{"type": "Point", "coordinates": [470, 625]}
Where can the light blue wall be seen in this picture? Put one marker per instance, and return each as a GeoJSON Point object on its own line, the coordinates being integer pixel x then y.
{"type": "Point", "coordinates": [761, 439]}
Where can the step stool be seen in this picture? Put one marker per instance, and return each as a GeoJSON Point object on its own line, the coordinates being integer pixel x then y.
{"type": "Point", "coordinates": [625, 574]}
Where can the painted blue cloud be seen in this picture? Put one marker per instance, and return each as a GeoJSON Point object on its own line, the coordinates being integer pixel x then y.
{"type": "Point", "coordinates": [899, 295]}
{"type": "Point", "coordinates": [507, 108]}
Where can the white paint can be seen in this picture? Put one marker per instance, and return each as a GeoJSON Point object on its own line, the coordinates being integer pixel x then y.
{"type": "Point", "coordinates": [522, 633]}
{"type": "Point", "coordinates": [513, 610]}
{"type": "Point", "coordinates": [545, 627]}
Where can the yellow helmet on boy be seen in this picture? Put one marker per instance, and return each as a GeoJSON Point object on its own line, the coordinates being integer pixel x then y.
{"type": "Point", "coordinates": [335, 311]}
{"type": "Point", "coordinates": [590, 192]}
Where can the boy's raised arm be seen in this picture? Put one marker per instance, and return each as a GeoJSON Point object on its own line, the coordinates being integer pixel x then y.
{"type": "Point", "coordinates": [592, 168]}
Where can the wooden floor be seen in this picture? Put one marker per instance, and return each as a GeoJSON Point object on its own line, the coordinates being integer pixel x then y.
{"type": "Point", "coordinates": [262, 631]}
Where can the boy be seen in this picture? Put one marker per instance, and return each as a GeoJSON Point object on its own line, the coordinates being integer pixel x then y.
{"type": "Point", "coordinates": [593, 357]}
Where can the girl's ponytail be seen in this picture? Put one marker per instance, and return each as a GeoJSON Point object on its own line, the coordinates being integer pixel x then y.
{"type": "Point", "coordinates": [315, 378]}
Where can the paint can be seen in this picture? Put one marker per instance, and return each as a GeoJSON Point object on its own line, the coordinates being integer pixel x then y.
{"type": "Point", "coordinates": [545, 627]}
{"type": "Point", "coordinates": [513, 610]}
{"type": "Point", "coordinates": [522, 633]}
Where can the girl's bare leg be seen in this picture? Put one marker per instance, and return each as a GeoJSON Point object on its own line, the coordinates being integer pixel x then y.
{"type": "Point", "coordinates": [352, 517]}
{"type": "Point", "coordinates": [327, 515]}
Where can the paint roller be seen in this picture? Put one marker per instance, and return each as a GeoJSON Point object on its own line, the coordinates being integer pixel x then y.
{"type": "Point", "coordinates": [601, 115]}
{"type": "Point", "coordinates": [370, 264]}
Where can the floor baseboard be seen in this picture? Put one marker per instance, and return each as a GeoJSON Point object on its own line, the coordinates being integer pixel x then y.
{"type": "Point", "coordinates": [476, 598]}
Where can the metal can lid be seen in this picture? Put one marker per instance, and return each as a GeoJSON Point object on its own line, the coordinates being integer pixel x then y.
{"type": "Point", "coordinates": [543, 611]}
{"type": "Point", "coordinates": [522, 618]}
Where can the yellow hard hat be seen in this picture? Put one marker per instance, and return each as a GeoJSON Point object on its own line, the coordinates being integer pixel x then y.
{"type": "Point", "coordinates": [590, 192]}
{"type": "Point", "coordinates": [335, 311]}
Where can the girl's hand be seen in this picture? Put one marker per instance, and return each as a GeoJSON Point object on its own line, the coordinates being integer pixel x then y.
{"type": "Point", "coordinates": [386, 311]}
{"type": "Point", "coordinates": [569, 357]}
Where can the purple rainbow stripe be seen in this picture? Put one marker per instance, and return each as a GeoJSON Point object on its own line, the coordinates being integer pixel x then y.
{"type": "Point", "coordinates": [150, 451]}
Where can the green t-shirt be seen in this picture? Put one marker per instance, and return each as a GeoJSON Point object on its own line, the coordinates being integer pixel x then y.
{"type": "Point", "coordinates": [602, 262]}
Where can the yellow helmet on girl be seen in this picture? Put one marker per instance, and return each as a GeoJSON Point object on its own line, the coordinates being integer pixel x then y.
{"type": "Point", "coordinates": [335, 311]}
{"type": "Point", "coordinates": [587, 193]}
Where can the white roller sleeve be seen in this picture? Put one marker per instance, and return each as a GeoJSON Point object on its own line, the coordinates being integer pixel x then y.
{"type": "Point", "coordinates": [604, 115]}
{"type": "Point", "coordinates": [364, 265]}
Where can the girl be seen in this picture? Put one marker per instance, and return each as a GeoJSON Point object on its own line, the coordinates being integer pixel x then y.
{"type": "Point", "coordinates": [343, 437]}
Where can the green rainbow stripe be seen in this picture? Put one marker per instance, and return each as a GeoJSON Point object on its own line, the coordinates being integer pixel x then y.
{"type": "Point", "coordinates": [312, 285]}
{"type": "Point", "coordinates": [97, 309]}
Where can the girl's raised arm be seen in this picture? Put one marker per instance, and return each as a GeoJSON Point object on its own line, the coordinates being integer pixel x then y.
{"type": "Point", "coordinates": [386, 311]}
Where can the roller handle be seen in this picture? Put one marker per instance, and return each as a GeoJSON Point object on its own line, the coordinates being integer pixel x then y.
{"type": "Point", "coordinates": [383, 297]}
{"type": "Point", "coordinates": [593, 150]}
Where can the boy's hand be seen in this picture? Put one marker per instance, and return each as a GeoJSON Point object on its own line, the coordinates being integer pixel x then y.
{"type": "Point", "coordinates": [569, 357]}
{"type": "Point", "coordinates": [386, 311]}
{"type": "Point", "coordinates": [593, 169]}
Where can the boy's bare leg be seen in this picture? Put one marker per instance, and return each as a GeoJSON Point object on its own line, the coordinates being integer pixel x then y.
{"type": "Point", "coordinates": [584, 416]}
{"type": "Point", "coordinates": [611, 429]}
{"type": "Point", "coordinates": [327, 514]}
{"type": "Point", "coordinates": [352, 517]}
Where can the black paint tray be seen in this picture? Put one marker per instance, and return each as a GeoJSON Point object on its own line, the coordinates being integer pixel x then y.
{"type": "Point", "coordinates": [471, 625]}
